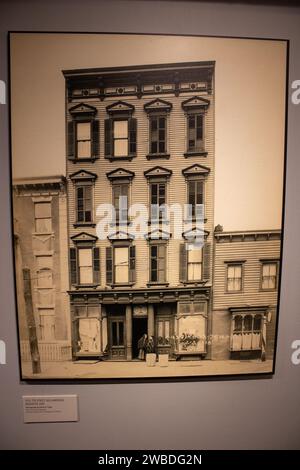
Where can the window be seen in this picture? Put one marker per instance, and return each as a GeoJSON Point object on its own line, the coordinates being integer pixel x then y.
{"type": "Point", "coordinates": [120, 200]}
{"type": "Point", "coordinates": [117, 329]}
{"type": "Point", "coordinates": [195, 196]}
{"type": "Point", "coordinates": [84, 203]}
{"type": "Point", "coordinates": [246, 332]}
{"type": "Point", "coordinates": [83, 139]}
{"type": "Point", "coordinates": [234, 277]}
{"type": "Point", "coordinates": [194, 264]}
{"type": "Point", "coordinates": [192, 308]}
{"type": "Point", "coordinates": [120, 131]}
{"type": "Point", "coordinates": [44, 278]}
{"type": "Point", "coordinates": [120, 136]}
{"type": "Point", "coordinates": [195, 132]}
{"type": "Point", "coordinates": [158, 136]}
{"type": "Point", "coordinates": [158, 199]}
{"type": "Point", "coordinates": [158, 263]}
{"type": "Point", "coordinates": [42, 214]}
{"type": "Point", "coordinates": [269, 276]}
{"type": "Point", "coordinates": [121, 264]}
{"type": "Point", "coordinates": [47, 324]}
{"type": "Point", "coordinates": [83, 133]}
{"type": "Point", "coordinates": [163, 331]}
{"type": "Point", "coordinates": [85, 265]}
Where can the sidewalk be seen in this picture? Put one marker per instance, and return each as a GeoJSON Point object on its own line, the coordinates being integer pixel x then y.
{"type": "Point", "coordinates": [110, 370]}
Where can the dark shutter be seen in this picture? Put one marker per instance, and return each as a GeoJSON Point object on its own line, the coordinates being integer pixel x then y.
{"type": "Point", "coordinates": [71, 140]}
{"type": "Point", "coordinates": [206, 261]}
{"type": "Point", "coordinates": [132, 264]}
{"type": "Point", "coordinates": [73, 266]}
{"type": "Point", "coordinates": [182, 263]}
{"type": "Point", "coordinates": [96, 139]}
{"type": "Point", "coordinates": [108, 137]}
{"type": "Point", "coordinates": [96, 265]}
{"type": "Point", "coordinates": [109, 265]}
{"type": "Point", "coordinates": [132, 126]}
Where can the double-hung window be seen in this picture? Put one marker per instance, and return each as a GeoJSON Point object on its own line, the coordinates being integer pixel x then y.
{"type": "Point", "coordinates": [234, 277]}
{"type": "Point", "coordinates": [120, 131]}
{"type": "Point", "coordinates": [158, 111]}
{"type": "Point", "coordinates": [158, 262]}
{"type": "Point", "coordinates": [195, 196]}
{"type": "Point", "coordinates": [83, 133]}
{"type": "Point", "coordinates": [269, 275]}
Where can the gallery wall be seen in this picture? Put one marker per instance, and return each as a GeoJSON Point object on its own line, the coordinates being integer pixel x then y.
{"type": "Point", "coordinates": [248, 413]}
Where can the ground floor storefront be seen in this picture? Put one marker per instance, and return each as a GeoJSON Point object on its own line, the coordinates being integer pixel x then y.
{"type": "Point", "coordinates": [110, 325]}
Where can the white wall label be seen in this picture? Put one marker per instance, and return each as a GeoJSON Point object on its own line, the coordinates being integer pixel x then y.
{"type": "Point", "coordinates": [50, 408]}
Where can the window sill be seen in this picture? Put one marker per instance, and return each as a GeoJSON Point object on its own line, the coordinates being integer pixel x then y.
{"type": "Point", "coordinates": [85, 286]}
{"type": "Point", "coordinates": [42, 233]}
{"type": "Point", "coordinates": [154, 284]}
{"type": "Point", "coordinates": [154, 156]}
{"type": "Point", "coordinates": [121, 284]}
{"type": "Point", "coordinates": [84, 224]}
{"type": "Point", "coordinates": [193, 219]}
{"type": "Point", "coordinates": [199, 153]}
{"type": "Point", "coordinates": [117, 223]}
{"type": "Point", "coordinates": [158, 222]}
{"type": "Point", "coordinates": [124, 158]}
{"type": "Point", "coordinates": [88, 159]}
{"type": "Point", "coordinates": [201, 282]}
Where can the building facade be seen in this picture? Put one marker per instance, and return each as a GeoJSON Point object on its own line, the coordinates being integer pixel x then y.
{"type": "Point", "coordinates": [246, 278]}
{"type": "Point", "coordinates": [41, 245]}
{"type": "Point", "coordinates": [143, 135]}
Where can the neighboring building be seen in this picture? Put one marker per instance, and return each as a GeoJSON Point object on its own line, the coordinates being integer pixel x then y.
{"type": "Point", "coordinates": [145, 133]}
{"type": "Point", "coordinates": [41, 244]}
{"type": "Point", "coordinates": [245, 289]}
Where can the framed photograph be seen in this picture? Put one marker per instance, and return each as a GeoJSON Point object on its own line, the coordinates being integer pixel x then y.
{"type": "Point", "coordinates": [147, 198]}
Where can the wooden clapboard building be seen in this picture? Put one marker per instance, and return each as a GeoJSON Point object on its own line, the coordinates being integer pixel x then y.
{"type": "Point", "coordinates": [145, 133]}
{"type": "Point", "coordinates": [245, 291]}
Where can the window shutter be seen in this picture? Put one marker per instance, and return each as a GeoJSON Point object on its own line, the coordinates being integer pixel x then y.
{"type": "Point", "coordinates": [182, 262]}
{"type": "Point", "coordinates": [132, 264]}
{"type": "Point", "coordinates": [109, 265]}
{"type": "Point", "coordinates": [206, 261]}
{"type": "Point", "coordinates": [96, 139]}
{"type": "Point", "coordinates": [71, 140]}
{"type": "Point", "coordinates": [73, 266]}
{"type": "Point", "coordinates": [96, 265]}
{"type": "Point", "coordinates": [108, 136]}
{"type": "Point", "coordinates": [132, 126]}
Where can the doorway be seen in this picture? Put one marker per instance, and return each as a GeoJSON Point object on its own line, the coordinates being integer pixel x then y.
{"type": "Point", "coordinates": [139, 328]}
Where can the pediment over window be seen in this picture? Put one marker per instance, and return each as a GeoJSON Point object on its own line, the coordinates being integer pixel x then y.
{"type": "Point", "coordinates": [158, 105]}
{"type": "Point", "coordinates": [84, 237]}
{"type": "Point", "coordinates": [83, 175]}
{"type": "Point", "coordinates": [120, 107]}
{"type": "Point", "coordinates": [120, 173]}
{"type": "Point", "coordinates": [158, 234]}
{"type": "Point", "coordinates": [83, 109]}
{"type": "Point", "coordinates": [120, 235]}
{"type": "Point", "coordinates": [196, 170]}
{"type": "Point", "coordinates": [158, 171]}
{"type": "Point", "coordinates": [195, 232]}
{"type": "Point", "coordinates": [196, 102]}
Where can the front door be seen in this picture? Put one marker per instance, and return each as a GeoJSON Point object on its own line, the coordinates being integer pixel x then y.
{"type": "Point", "coordinates": [117, 347]}
{"type": "Point", "coordinates": [139, 328]}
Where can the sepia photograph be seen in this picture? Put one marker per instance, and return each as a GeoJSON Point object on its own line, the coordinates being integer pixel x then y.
{"type": "Point", "coordinates": [147, 199]}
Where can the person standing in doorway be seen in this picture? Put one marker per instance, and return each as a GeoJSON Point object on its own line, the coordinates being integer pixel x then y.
{"type": "Point", "coordinates": [142, 343]}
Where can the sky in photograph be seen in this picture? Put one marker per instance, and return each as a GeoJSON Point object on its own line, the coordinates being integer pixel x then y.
{"type": "Point", "coordinates": [249, 120]}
